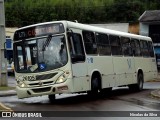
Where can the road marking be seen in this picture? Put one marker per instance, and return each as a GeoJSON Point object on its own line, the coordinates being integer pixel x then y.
{"type": "Point", "coordinates": [5, 108]}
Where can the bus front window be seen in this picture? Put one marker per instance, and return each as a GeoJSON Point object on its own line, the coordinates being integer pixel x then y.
{"type": "Point", "coordinates": [41, 54]}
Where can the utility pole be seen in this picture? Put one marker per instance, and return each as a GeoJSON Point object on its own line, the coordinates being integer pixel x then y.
{"type": "Point", "coordinates": [3, 62]}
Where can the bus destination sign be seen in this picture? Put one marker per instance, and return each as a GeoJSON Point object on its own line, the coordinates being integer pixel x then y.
{"type": "Point", "coordinates": [40, 30]}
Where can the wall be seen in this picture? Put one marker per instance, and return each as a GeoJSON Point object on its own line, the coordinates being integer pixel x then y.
{"type": "Point", "coordinates": [144, 29]}
{"type": "Point", "coordinates": [10, 32]}
{"type": "Point", "coordinates": [134, 28]}
{"type": "Point", "coordinates": [123, 27]}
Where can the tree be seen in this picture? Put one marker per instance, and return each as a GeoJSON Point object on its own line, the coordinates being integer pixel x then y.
{"type": "Point", "coordinates": [25, 12]}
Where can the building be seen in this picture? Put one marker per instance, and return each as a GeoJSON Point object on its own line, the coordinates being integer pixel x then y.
{"type": "Point", "coordinates": [9, 48]}
{"type": "Point", "coordinates": [10, 32]}
{"type": "Point", "coordinates": [150, 26]}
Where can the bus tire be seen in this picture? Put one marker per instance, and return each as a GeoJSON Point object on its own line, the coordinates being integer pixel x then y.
{"type": "Point", "coordinates": [94, 87]}
{"type": "Point", "coordinates": [139, 85]}
{"type": "Point", "coordinates": [140, 82]}
{"type": "Point", "coordinates": [52, 98]}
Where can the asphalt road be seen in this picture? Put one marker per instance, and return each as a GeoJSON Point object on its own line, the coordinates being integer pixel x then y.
{"type": "Point", "coordinates": [120, 99]}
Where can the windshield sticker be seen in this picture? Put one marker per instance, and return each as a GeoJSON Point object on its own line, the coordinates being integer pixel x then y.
{"type": "Point", "coordinates": [42, 66]}
{"type": "Point", "coordinates": [34, 67]}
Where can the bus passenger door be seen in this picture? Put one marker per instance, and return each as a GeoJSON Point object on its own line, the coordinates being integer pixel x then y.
{"type": "Point", "coordinates": [79, 67]}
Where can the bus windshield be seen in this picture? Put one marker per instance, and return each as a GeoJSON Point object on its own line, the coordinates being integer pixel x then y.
{"type": "Point", "coordinates": [40, 54]}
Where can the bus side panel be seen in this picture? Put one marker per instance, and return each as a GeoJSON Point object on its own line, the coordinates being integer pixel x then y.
{"type": "Point", "coordinates": [80, 80]}
{"type": "Point", "coordinates": [153, 68]}
{"type": "Point", "coordinates": [144, 64]}
{"type": "Point", "coordinates": [124, 70]}
{"type": "Point", "coordinates": [102, 64]}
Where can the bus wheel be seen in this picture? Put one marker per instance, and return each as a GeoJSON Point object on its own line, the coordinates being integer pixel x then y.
{"type": "Point", "coordinates": [140, 82]}
{"type": "Point", "coordinates": [94, 87]}
{"type": "Point", "coordinates": [52, 98]}
{"type": "Point", "coordinates": [139, 85]}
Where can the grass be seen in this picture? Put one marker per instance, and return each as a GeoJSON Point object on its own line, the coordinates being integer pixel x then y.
{"type": "Point", "coordinates": [3, 88]}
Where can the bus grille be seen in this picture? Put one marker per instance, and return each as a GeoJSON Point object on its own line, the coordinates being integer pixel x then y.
{"type": "Point", "coordinates": [46, 76]}
{"type": "Point", "coordinates": [43, 83]}
{"type": "Point", "coordinates": [42, 90]}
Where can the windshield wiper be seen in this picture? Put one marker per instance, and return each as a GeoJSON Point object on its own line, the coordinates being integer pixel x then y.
{"type": "Point", "coordinates": [46, 42]}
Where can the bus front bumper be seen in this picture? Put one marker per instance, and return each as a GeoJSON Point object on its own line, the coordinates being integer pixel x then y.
{"type": "Point", "coordinates": [39, 91]}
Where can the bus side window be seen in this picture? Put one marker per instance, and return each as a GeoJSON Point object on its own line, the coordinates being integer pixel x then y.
{"type": "Point", "coordinates": [144, 48]}
{"type": "Point", "coordinates": [126, 48]}
{"type": "Point", "coordinates": [137, 48]}
{"type": "Point", "coordinates": [115, 45]}
{"type": "Point", "coordinates": [103, 44]}
{"type": "Point", "coordinates": [150, 48]}
{"type": "Point", "coordinates": [89, 42]}
{"type": "Point", "coordinates": [133, 46]}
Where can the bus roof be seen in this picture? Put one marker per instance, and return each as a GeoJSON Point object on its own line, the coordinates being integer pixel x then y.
{"type": "Point", "coordinates": [92, 28]}
{"type": "Point", "coordinates": [105, 30]}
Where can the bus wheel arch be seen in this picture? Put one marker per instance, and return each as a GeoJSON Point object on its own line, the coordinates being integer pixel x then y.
{"type": "Point", "coordinates": [140, 80]}
{"type": "Point", "coordinates": [96, 82]}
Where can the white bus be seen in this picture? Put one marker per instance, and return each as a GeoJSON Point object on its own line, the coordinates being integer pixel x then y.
{"type": "Point", "coordinates": [67, 57]}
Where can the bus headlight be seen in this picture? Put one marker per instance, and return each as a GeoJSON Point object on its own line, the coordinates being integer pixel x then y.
{"type": "Point", "coordinates": [63, 77]}
{"type": "Point", "coordinates": [22, 85]}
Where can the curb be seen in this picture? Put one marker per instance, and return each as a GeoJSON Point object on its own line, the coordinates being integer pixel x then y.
{"type": "Point", "coordinates": [154, 80]}
{"type": "Point", "coordinates": [5, 108]}
{"type": "Point", "coordinates": [7, 93]}
{"type": "Point", "coordinates": [155, 93]}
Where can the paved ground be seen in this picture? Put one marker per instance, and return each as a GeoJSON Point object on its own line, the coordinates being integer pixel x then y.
{"type": "Point", "coordinates": [156, 93]}
{"type": "Point", "coordinates": [12, 83]}
{"type": "Point", "coordinates": [120, 100]}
